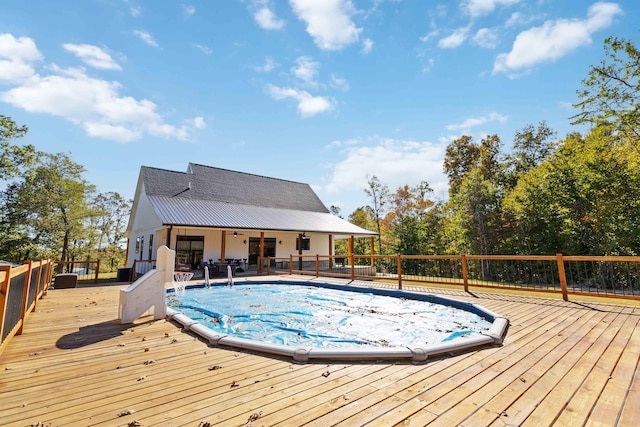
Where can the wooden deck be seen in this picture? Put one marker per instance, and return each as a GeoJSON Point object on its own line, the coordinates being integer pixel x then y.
{"type": "Point", "coordinates": [562, 363]}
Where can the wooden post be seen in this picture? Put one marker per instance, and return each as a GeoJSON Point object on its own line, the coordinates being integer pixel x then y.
{"type": "Point", "coordinates": [300, 251]}
{"type": "Point", "coordinates": [290, 264]}
{"type": "Point", "coordinates": [268, 266]}
{"type": "Point", "coordinates": [331, 251]}
{"type": "Point", "coordinates": [126, 253]}
{"type": "Point", "coordinates": [563, 277]}
{"type": "Point", "coordinates": [261, 253]}
{"type": "Point", "coordinates": [399, 261]}
{"type": "Point", "coordinates": [97, 271]}
{"type": "Point", "coordinates": [25, 296]}
{"type": "Point", "coordinates": [317, 265]}
{"type": "Point", "coordinates": [372, 245]}
{"type": "Point", "coordinates": [465, 274]}
{"type": "Point", "coordinates": [223, 247]}
{"type": "Point", "coordinates": [352, 259]}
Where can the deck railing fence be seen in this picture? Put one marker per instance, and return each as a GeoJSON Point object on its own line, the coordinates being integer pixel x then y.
{"type": "Point", "coordinates": [86, 270]}
{"type": "Point", "coordinates": [20, 289]}
{"type": "Point", "coordinates": [141, 267]}
{"type": "Point", "coordinates": [606, 276]}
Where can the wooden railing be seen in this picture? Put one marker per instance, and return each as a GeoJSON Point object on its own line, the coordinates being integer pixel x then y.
{"type": "Point", "coordinates": [604, 276]}
{"type": "Point", "coordinates": [20, 289]}
{"type": "Point", "coordinates": [86, 270]}
{"type": "Point", "coordinates": [140, 267]}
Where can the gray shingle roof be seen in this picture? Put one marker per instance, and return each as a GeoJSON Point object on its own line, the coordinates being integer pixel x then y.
{"type": "Point", "coordinates": [211, 197]}
{"type": "Point", "coordinates": [222, 185]}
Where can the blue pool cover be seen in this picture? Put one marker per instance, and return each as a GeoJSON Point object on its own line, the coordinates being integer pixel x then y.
{"type": "Point", "coordinates": [295, 315]}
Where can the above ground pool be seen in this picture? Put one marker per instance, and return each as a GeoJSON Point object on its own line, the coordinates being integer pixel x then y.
{"type": "Point", "coordinates": [320, 320]}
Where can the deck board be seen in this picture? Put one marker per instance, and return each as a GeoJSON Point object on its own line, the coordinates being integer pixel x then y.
{"type": "Point", "coordinates": [562, 363]}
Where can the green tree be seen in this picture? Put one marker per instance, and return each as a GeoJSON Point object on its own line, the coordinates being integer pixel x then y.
{"type": "Point", "coordinates": [610, 95]}
{"type": "Point", "coordinates": [379, 194]}
{"type": "Point", "coordinates": [107, 220]}
{"type": "Point", "coordinates": [48, 209]}
{"type": "Point", "coordinates": [362, 217]}
{"type": "Point", "coordinates": [13, 157]}
{"type": "Point", "coordinates": [461, 157]}
{"type": "Point", "coordinates": [408, 207]}
{"type": "Point", "coordinates": [583, 200]}
{"type": "Point", "coordinates": [473, 220]}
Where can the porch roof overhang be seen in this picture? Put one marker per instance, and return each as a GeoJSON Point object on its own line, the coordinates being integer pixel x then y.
{"type": "Point", "coordinates": [185, 212]}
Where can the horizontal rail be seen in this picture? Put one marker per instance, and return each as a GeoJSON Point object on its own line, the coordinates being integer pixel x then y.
{"type": "Point", "coordinates": [603, 276]}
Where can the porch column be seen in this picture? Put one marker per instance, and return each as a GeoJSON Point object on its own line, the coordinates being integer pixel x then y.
{"type": "Point", "coordinates": [330, 250]}
{"type": "Point", "coordinates": [223, 246]}
{"type": "Point", "coordinates": [373, 249]}
{"type": "Point", "coordinates": [300, 251]}
{"type": "Point", "coordinates": [261, 253]}
{"type": "Point", "coordinates": [126, 254]}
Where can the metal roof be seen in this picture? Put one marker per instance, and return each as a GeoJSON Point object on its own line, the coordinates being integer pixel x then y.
{"type": "Point", "coordinates": [212, 213]}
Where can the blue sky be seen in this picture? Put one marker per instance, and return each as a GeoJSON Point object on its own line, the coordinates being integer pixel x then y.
{"type": "Point", "coordinates": [324, 92]}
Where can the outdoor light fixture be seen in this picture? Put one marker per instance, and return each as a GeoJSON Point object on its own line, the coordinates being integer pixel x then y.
{"type": "Point", "coordinates": [244, 241]}
{"type": "Point", "coordinates": [279, 242]}
{"type": "Point", "coordinates": [235, 234]}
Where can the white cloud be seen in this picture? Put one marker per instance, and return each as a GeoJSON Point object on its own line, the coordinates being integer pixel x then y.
{"type": "Point", "coordinates": [188, 10]}
{"type": "Point", "coordinates": [268, 20]}
{"type": "Point", "coordinates": [339, 83]}
{"type": "Point", "coordinates": [17, 56]}
{"type": "Point", "coordinates": [306, 69]}
{"type": "Point", "coordinates": [486, 38]}
{"type": "Point", "coordinates": [483, 7]}
{"type": "Point", "coordinates": [455, 39]}
{"type": "Point", "coordinates": [367, 46]}
{"type": "Point", "coordinates": [96, 105]}
{"type": "Point", "coordinates": [516, 19]}
{"type": "Point", "coordinates": [429, 36]}
{"type": "Point", "coordinates": [204, 48]}
{"type": "Point", "coordinates": [269, 65]}
{"type": "Point", "coordinates": [428, 66]}
{"type": "Point", "coordinates": [93, 56]}
{"type": "Point", "coordinates": [554, 39]}
{"type": "Point", "coordinates": [478, 121]}
{"type": "Point", "coordinates": [135, 11]}
{"type": "Point", "coordinates": [394, 162]}
{"type": "Point", "coordinates": [308, 105]}
{"type": "Point", "coordinates": [328, 22]}
{"type": "Point", "coordinates": [198, 122]}
{"type": "Point", "coordinates": [145, 37]}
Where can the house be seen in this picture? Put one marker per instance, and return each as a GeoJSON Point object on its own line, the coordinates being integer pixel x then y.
{"type": "Point", "coordinates": [209, 214]}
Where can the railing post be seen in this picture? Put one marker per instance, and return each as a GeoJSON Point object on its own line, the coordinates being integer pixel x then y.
{"type": "Point", "coordinates": [563, 277]}
{"type": "Point", "coordinates": [290, 264]}
{"type": "Point", "coordinates": [465, 274]}
{"type": "Point", "coordinates": [268, 266]}
{"type": "Point", "coordinates": [353, 267]}
{"type": "Point", "coordinates": [399, 262]}
{"type": "Point", "coordinates": [97, 271]}
{"type": "Point", "coordinates": [317, 265]}
{"type": "Point", "coordinates": [25, 297]}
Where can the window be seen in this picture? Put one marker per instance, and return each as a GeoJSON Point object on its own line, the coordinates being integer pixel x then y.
{"type": "Point", "coordinates": [141, 246]}
{"type": "Point", "coordinates": [150, 246]}
{"type": "Point", "coordinates": [189, 250]}
{"type": "Point", "coordinates": [306, 244]}
{"type": "Point", "coordinates": [137, 245]}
